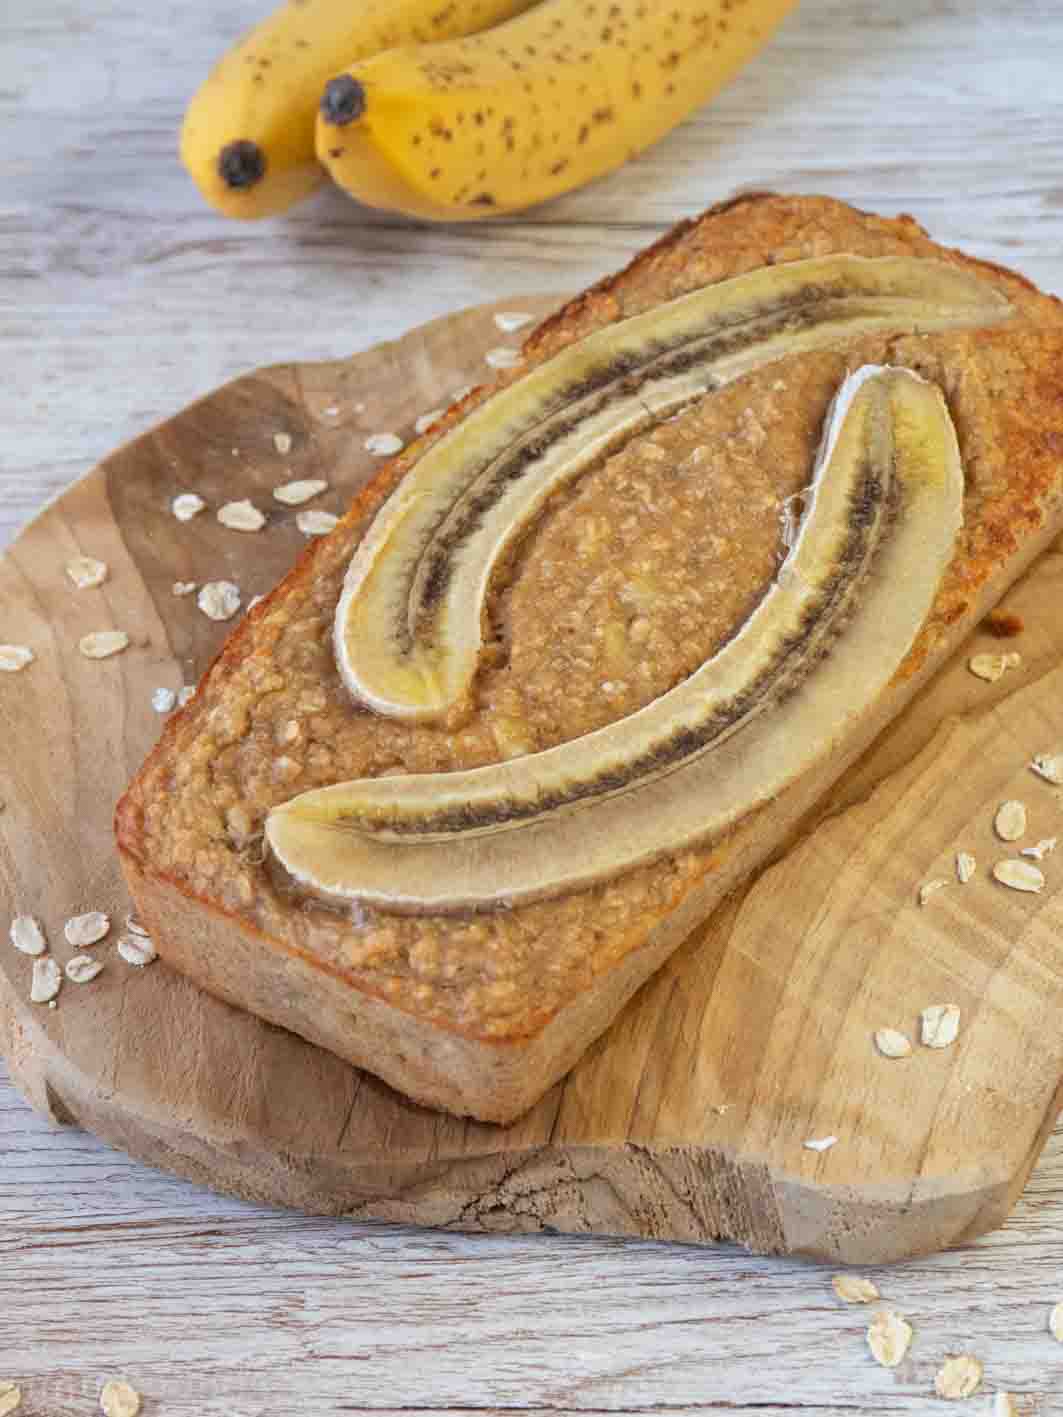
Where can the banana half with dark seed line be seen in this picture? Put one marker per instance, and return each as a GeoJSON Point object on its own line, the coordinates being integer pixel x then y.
{"type": "Point", "coordinates": [882, 511]}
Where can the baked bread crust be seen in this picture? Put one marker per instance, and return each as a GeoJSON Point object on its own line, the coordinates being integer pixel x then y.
{"type": "Point", "coordinates": [480, 1041]}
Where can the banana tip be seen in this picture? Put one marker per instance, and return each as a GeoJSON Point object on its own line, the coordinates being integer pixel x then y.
{"type": "Point", "coordinates": [241, 164]}
{"type": "Point", "coordinates": [343, 100]}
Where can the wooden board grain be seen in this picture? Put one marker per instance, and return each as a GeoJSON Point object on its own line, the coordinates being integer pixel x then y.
{"type": "Point", "coordinates": [688, 1119]}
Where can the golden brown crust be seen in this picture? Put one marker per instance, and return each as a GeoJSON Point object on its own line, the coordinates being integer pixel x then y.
{"type": "Point", "coordinates": [1014, 512]}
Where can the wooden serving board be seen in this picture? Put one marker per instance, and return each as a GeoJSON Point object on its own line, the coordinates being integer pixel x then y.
{"type": "Point", "coordinates": [688, 1119]}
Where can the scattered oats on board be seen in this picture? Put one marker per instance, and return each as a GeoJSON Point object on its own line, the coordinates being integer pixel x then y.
{"type": "Point", "coordinates": [891, 1043]}
{"type": "Point", "coordinates": [931, 888]}
{"type": "Point", "coordinates": [163, 699]}
{"type": "Point", "coordinates": [101, 644]}
{"type": "Point", "coordinates": [1040, 849]}
{"type": "Point", "coordinates": [185, 695]}
{"type": "Point", "coordinates": [510, 321]}
{"type": "Point", "coordinates": [315, 523]}
{"type": "Point", "coordinates": [819, 1143]}
{"type": "Point", "coordinates": [219, 600]}
{"type": "Point", "coordinates": [503, 358]}
{"type": "Point", "coordinates": [992, 667]}
{"type": "Point", "coordinates": [183, 587]}
{"type": "Point", "coordinates": [82, 969]}
{"type": "Point", "coordinates": [15, 657]}
{"type": "Point", "coordinates": [1019, 875]}
{"type": "Point", "coordinates": [241, 516]}
{"type": "Point", "coordinates": [426, 420]}
{"type": "Point", "coordinates": [889, 1336]}
{"type": "Point", "coordinates": [137, 950]}
{"type": "Point", "coordinates": [383, 445]}
{"type": "Point", "coordinates": [1004, 1405]}
{"type": "Point", "coordinates": [294, 494]}
{"type": "Point", "coordinates": [10, 1398]}
{"type": "Point", "coordinates": [939, 1025]}
{"type": "Point", "coordinates": [86, 572]}
{"type": "Point", "coordinates": [88, 929]}
{"type": "Point", "coordinates": [1055, 1322]}
{"type": "Point", "coordinates": [187, 505]}
{"type": "Point", "coordinates": [854, 1289]}
{"type": "Point", "coordinates": [966, 866]}
{"type": "Point", "coordinates": [46, 981]}
{"type": "Point", "coordinates": [27, 935]}
{"type": "Point", "coordinates": [118, 1399]}
{"type": "Point", "coordinates": [958, 1377]}
{"type": "Point", "coordinates": [1050, 767]}
{"type": "Point", "coordinates": [283, 443]}
{"type": "Point", "coordinates": [1010, 820]}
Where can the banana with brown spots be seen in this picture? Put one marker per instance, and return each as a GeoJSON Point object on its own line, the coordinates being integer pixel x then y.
{"type": "Point", "coordinates": [248, 134]}
{"type": "Point", "coordinates": [515, 115]}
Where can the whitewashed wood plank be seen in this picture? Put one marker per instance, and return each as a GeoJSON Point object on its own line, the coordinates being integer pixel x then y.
{"type": "Point", "coordinates": [216, 1307]}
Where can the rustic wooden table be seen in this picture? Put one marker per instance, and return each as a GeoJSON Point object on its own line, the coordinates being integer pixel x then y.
{"type": "Point", "coordinates": [123, 298]}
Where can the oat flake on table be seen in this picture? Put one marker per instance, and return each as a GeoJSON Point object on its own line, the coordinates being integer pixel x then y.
{"type": "Point", "coordinates": [134, 926]}
{"type": "Point", "coordinates": [137, 950]}
{"type": "Point", "coordinates": [959, 1377]}
{"type": "Point", "coordinates": [939, 1025]}
{"type": "Point", "coordinates": [89, 929]}
{"type": "Point", "coordinates": [1019, 875]}
{"type": "Point", "coordinates": [891, 1043]}
{"type": "Point", "coordinates": [1055, 1322]}
{"type": "Point", "coordinates": [316, 523]}
{"type": "Point", "coordinates": [383, 445]}
{"type": "Point", "coordinates": [241, 516]}
{"type": "Point", "coordinates": [27, 935]}
{"type": "Point", "coordinates": [82, 969]}
{"type": "Point", "coordinates": [163, 699]}
{"type": "Point", "coordinates": [10, 1398]}
{"type": "Point", "coordinates": [1040, 849]}
{"type": "Point", "coordinates": [510, 321]}
{"type": "Point", "coordinates": [15, 657]}
{"type": "Point", "coordinates": [187, 505]}
{"type": "Point", "coordinates": [819, 1143]}
{"type": "Point", "coordinates": [966, 866]}
{"type": "Point", "coordinates": [119, 1399]}
{"type": "Point", "coordinates": [889, 1336]}
{"type": "Point", "coordinates": [86, 572]}
{"type": "Point", "coordinates": [426, 420]}
{"type": "Point", "coordinates": [931, 888]}
{"type": "Point", "coordinates": [219, 600]}
{"type": "Point", "coordinates": [183, 587]}
{"type": "Point", "coordinates": [1049, 766]}
{"type": "Point", "coordinates": [102, 644]}
{"type": "Point", "coordinates": [46, 981]}
{"type": "Point", "coordinates": [992, 667]}
{"type": "Point", "coordinates": [294, 494]}
{"type": "Point", "coordinates": [1010, 820]}
{"type": "Point", "coordinates": [283, 443]}
{"type": "Point", "coordinates": [855, 1289]}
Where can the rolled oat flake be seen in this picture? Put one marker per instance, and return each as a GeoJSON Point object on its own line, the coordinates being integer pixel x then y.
{"type": "Point", "coordinates": [855, 1289]}
{"type": "Point", "coordinates": [219, 600]}
{"type": "Point", "coordinates": [10, 1398]}
{"type": "Point", "coordinates": [15, 657]}
{"type": "Point", "coordinates": [891, 1043]}
{"type": "Point", "coordinates": [959, 1377]}
{"type": "Point", "coordinates": [47, 980]}
{"type": "Point", "coordinates": [119, 1399]}
{"type": "Point", "coordinates": [101, 644]}
{"type": "Point", "coordinates": [86, 572]}
{"type": "Point", "coordinates": [27, 935]}
{"type": "Point", "coordinates": [82, 969]}
{"type": "Point", "coordinates": [1019, 875]}
{"type": "Point", "coordinates": [137, 950]}
{"type": "Point", "coordinates": [889, 1336]}
{"type": "Point", "coordinates": [939, 1025]}
{"type": "Point", "coordinates": [88, 929]}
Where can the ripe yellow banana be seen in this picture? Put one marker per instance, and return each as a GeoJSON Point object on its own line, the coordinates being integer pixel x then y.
{"type": "Point", "coordinates": [248, 134]}
{"type": "Point", "coordinates": [562, 94]}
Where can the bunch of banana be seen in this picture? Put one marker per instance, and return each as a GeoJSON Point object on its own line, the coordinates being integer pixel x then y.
{"type": "Point", "coordinates": [458, 110]}
{"type": "Point", "coordinates": [248, 134]}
